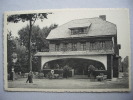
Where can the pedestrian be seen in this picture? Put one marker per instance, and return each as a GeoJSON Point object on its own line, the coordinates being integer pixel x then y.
{"type": "Point", "coordinates": [66, 71]}
{"type": "Point", "coordinates": [30, 76]}
{"type": "Point", "coordinates": [91, 70]}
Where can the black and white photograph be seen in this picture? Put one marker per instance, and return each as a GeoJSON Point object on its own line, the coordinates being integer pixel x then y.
{"type": "Point", "coordinates": [67, 50]}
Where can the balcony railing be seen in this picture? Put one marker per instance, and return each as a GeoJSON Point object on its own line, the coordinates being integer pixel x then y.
{"type": "Point", "coordinates": [88, 50]}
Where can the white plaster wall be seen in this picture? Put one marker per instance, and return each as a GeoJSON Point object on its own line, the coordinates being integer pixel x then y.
{"type": "Point", "coordinates": [100, 58]}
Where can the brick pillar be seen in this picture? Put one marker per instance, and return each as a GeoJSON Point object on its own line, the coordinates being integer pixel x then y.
{"type": "Point", "coordinates": [109, 66]}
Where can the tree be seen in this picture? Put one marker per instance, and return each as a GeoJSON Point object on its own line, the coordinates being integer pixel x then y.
{"type": "Point", "coordinates": [10, 49]}
{"type": "Point", "coordinates": [38, 41]}
{"type": "Point", "coordinates": [21, 51]}
{"type": "Point", "coordinates": [31, 18]}
{"type": "Point", "coordinates": [125, 64]}
{"type": "Point", "coordinates": [38, 37]}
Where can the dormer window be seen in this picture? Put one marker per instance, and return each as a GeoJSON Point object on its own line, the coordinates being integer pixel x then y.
{"type": "Point", "coordinates": [75, 31]}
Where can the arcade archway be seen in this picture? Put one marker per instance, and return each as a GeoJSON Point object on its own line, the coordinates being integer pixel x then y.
{"type": "Point", "coordinates": [79, 65]}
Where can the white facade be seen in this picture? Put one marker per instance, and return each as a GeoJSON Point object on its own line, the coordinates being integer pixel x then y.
{"type": "Point", "coordinates": [99, 58]}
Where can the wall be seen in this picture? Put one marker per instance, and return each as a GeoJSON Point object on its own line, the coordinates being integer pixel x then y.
{"type": "Point", "coordinates": [100, 58]}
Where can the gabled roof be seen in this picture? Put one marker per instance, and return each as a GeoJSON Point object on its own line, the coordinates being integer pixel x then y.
{"type": "Point", "coordinates": [97, 27]}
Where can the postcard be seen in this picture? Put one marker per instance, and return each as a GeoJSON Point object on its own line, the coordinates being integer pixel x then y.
{"type": "Point", "coordinates": [67, 50]}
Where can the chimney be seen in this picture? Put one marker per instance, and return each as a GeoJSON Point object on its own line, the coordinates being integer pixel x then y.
{"type": "Point", "coordinates": [103, 17]}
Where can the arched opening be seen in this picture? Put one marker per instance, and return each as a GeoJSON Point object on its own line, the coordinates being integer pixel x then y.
{"type": "Point", "coordinates": [79, 65]}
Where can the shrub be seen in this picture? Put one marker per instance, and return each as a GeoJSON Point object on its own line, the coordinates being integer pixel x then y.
{"type": "Point", "coordinates": [40, 75]}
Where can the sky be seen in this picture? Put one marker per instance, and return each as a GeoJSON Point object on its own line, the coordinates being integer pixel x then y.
{"type": "Point", "coordinates": [119, 17]}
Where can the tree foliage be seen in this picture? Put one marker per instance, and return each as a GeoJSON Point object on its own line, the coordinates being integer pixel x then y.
{"type": "Point", "coordinates": [31, 18]}
{"type": "Point", "coordinates": [19, 45]}
{"type": "Point", "coordinates": [10, 49]}
{"type": "Point", "coordinates": [27, 17]}
{"type": "Point", "coordinates": [38, 37]}
{"type": "Point", "coordinates": [125, 64]}
{"type": "Point", "coordinates": [13, 45]}
{"type": "Point", "coordinates": [38, 41]}
{"type": "Point", "coordinates": [22, 55]}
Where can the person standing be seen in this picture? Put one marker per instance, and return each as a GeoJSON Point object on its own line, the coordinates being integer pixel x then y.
{"type": "Point", "coordinates": [30, 77]}
{"type": "Point", "coordinates": [91, 70]}
{"type": "Point", "coordinates": [66, 71]}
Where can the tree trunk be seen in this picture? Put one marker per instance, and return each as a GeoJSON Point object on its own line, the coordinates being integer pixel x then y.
{"type": "Point", "coordinates": [30, 57]}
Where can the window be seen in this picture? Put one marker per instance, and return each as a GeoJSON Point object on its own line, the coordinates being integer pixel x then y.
{"type": "Point", "coordinates": [74, 31]}
{"type": "Point", "coordinates": [103, 44]}
{"type": "Point", "coordinates": [108, 45]}
{"type": "Point", "coordinates": [57, 47]}
{"type": "Point", "coordinates": [83, 46]}
{"type": "Point", "coordinates": [92, 46]}
{"type": "Point", "coordinates": [78, 31]}
{"type": "Point", "coordinates": [65, 47]}
{"type": "Point", "coordinates": [74, 47]}
{"type": "Point", "coordinates": [81, 30]}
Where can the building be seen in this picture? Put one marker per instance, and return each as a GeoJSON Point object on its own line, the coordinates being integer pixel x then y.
{"type": "Point", "coordinates": [81, 43]}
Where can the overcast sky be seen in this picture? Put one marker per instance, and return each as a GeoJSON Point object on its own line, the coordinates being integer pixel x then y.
{"type": "Point", "coordinates": [118, 17]}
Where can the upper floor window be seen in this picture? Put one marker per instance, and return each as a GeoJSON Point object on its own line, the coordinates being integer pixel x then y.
{"type": "Point", "coordinates": [102, 44]}
{"type": "Point", "coordinates": [56, 47]}
{"type": "Point", "coordinates": [92, 46]}
{"type": "Point", "coordinates": [65, 47]}
{"type": "Point", "coordinates": [74, 47]}
{"type": "Point", "coordinates": [78, 31]}
{"type": "Point", "coordinates": [83, 46]}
